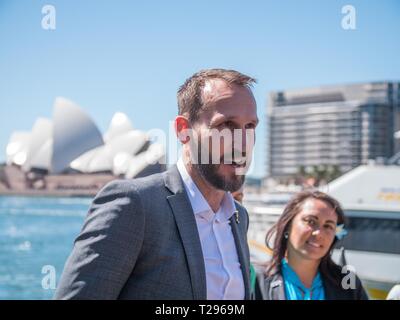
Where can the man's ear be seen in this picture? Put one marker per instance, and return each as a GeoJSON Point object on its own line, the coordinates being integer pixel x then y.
{"type": "Point", "coordinates": [182, 129]}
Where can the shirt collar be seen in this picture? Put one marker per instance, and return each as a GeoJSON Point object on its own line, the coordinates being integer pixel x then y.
{"type": "Point", "coordinates": [291, 276]}
{"type": "Point", "coordinates": [199, 204]}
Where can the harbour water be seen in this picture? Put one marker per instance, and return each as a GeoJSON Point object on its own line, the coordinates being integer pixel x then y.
{"type": "Point", "coordinates": [36, 235]}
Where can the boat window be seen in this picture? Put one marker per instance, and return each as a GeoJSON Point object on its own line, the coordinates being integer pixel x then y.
{"type": "Point", "coordinates": [372, 234]}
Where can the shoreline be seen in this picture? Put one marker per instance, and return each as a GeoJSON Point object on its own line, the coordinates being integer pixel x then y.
{"type": "Point", "coordinates": [49, 193]}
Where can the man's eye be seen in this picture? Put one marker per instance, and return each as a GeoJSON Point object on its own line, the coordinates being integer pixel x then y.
{"type": "Point", "coordinates": [227, 124]}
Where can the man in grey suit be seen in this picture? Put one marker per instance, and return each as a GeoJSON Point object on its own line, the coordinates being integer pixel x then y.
{"type": "Point", "coordinates": [178, 234]}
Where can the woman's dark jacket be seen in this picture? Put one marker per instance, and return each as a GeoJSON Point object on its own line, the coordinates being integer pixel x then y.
{"type": "Point", "coordinates": [273, 288]}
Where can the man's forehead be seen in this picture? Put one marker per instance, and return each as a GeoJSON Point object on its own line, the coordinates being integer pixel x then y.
{"type": "Point", "coordinates": [216, 88]}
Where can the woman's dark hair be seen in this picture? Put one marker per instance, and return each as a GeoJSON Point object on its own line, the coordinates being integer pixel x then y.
{"type": "Point", "coordinates": [327, 267]}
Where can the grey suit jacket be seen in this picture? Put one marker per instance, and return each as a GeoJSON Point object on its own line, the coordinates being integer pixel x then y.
{"type": "Point", "coordinates": [140, 241]}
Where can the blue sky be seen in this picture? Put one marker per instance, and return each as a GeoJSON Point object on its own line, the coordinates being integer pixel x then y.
{"type": "Point", "coordinates": [132, 56]}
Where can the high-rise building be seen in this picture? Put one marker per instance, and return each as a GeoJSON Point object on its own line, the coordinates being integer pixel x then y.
{"type": "Point", "coordinates": [344, 125]}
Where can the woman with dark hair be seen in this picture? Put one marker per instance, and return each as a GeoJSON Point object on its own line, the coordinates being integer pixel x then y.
{"type": "Point", "coordinates": [301, 267]}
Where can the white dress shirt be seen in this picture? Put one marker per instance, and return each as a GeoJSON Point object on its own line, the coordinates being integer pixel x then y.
{"type": "Point", "coordinates": [224, 277]}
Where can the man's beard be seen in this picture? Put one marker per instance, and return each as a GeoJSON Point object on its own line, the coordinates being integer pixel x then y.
{"type": "Point", "coordinates": [209, 172]}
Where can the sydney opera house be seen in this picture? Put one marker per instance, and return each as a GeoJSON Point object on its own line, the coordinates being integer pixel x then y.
{"type": "Point", "coordinates": [68, 155]}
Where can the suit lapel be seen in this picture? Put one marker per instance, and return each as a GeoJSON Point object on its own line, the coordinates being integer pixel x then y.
{"type": "Point", "coordinates": [240, 248]}
{"type": "Point", "coordinates": [187, 228]}
{"type": "Point", "coordinates": [277, 288]}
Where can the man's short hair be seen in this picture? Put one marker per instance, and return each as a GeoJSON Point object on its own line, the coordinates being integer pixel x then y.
{"type": "Point", "coordinates": [190, 94]}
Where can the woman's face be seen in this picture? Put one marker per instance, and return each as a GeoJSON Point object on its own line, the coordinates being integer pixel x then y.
{"type": "Point", "coordinates": [312, 230]}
